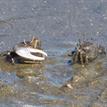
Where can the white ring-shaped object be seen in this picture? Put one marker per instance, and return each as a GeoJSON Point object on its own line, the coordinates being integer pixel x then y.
{"type": "Point", "coordinates": [26, 52]}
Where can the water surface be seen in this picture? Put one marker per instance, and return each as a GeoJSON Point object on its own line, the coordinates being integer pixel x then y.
{"type": "Point", "coordinates": [59, 24]}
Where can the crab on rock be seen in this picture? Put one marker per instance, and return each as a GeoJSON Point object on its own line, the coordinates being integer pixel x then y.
{"type": "Point", "coordinates": [27, 51]}
{"type": "Point", "coordinates": [86, 52]}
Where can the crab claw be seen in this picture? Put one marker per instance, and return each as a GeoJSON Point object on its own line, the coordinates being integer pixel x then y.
{"type": "Point", "coordinates": [30, 53]}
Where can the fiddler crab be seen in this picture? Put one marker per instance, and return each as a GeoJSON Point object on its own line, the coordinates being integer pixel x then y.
{"type": "Point", "coordinates": [27, 51]}
{"type": "Point", "coordinates": [86, 52]}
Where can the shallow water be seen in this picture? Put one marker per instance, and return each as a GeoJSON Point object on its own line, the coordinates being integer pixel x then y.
{"type": "Point", "coordinates": [59, 24]}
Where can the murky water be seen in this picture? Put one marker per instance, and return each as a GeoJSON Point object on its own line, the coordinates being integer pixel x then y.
{"type": "Point", "coordinates": [59, 24]}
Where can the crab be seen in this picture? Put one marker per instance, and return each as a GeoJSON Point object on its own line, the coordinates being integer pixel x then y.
{"type": "Point", "coordinates": [86, 52]}
{"type": "Point", "coordinates": [27, 51]}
